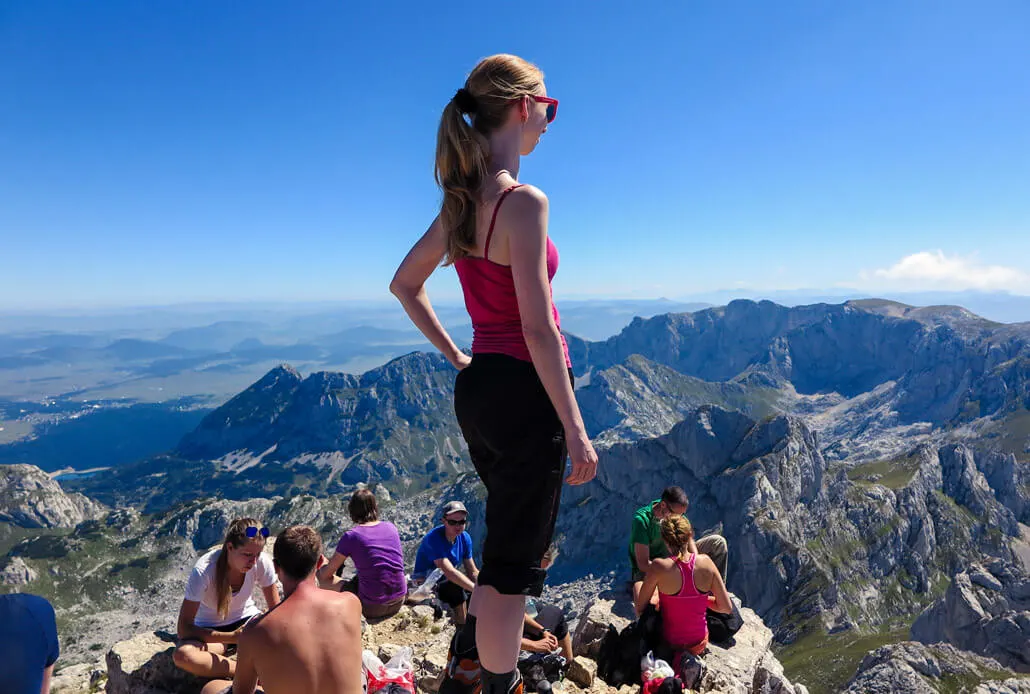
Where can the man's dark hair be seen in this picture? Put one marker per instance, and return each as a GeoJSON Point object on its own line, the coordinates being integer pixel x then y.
{"type": "Point", "coordinates": [296, 551]}
{"type": "Point", "coordinates": [674, 496]}
{"type": "Point", "coordinates": [363, 507]}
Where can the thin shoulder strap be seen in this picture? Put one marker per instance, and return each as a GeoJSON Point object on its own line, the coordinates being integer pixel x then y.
{"type": "Point", "coordinates": [687, 571]}
{"type": "Point", "coordinates": [493, 220]}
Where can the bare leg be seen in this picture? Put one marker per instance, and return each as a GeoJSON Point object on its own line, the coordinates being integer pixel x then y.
{"type": "Point", "coordinates": [566, 647]}
{"type": "Point", "coordinates": [499, 622]}
{"type": "Point", "coordinates": [460, 614]}
{"type": "Point", "coordinates": [204, 659]}
{"type": "Point", "coordinates": [216, 687]}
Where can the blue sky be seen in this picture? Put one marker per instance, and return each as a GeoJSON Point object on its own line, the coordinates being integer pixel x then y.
{"type": "Point", "coordinates": [189, 150]}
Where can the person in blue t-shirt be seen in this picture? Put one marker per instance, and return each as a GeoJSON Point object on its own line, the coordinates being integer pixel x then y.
{"type": "Point", "coordinates": [447, 547]}
{"type": "Point", "coordinates": [28, 643]}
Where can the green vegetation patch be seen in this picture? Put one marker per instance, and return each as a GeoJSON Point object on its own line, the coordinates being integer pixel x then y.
{"type": "Point", "coordinates": [895, 473]}
{"type": "Point", "coordinates": [826, 662]}
{"type": "Point", "coordinates": [1014, 434]}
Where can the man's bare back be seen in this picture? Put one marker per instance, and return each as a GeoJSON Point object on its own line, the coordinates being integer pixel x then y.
{"type": "Point", "coordinates": [309, 644]}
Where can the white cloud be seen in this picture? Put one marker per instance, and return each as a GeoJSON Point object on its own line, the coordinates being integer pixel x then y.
{"type": "Point", "coordinates": [935, 270]}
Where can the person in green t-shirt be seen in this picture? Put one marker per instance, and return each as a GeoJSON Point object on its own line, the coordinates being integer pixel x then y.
{"type": "Point", "coordinates": [645, 538]}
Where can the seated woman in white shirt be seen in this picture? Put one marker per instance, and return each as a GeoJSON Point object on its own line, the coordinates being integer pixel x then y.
{"type": "Point", "coordinates": [219, 599]}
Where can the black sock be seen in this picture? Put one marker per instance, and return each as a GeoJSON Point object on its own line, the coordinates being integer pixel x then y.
{"type": "Point", "coordinates": [499, 683]}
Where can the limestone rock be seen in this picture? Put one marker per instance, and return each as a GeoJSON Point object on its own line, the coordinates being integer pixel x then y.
{"type": "Point", "coordinates": [78, 679]}
{"type": "Point", "coordinates": [17, 573]}
{"type": "Point", "coordinates": [143, 665]}
{"type": "Point", "coordinates": [749, 665]}
{"type": "Point", "coordinates": [30, 498]}
{"type": "Point", "coordinates": [916, 668]}
{"type": "Point", "coordinates": [422, 615]}
{"type": "Point", "coordinates": [582, 671]}
{"type": "Point", "coordinates": [368, 636]}
{"type": "Point", "coordinates": [388, 651]}
{"type": "Point", "coordinates": [431, 665]}
{"type": "Point", "coordinates": [592, 627]}
{"type": "Point", "coordinates": [986, 610]}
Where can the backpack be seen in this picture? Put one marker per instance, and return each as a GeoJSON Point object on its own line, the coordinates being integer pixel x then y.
{"type": "Point", "coordinates": [722, 627]}
{"type": "Point", "coordinates": [618, 661]}
{"type": "Point", "coordinates": [461, 675]}
{"type": "Point", "coordinates": [540, 668]}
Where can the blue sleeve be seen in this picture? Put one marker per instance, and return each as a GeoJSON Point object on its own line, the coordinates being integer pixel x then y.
{"type": "Point", "coordinates": [466, 546]}
{"type": "Point", "coordinates": [48, 621]}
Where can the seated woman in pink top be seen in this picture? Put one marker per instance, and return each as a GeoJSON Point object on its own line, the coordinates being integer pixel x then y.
{"type": "Point", "coordinates": [375, 548]}
{"type": "Point", "coordinates": [688, 585]}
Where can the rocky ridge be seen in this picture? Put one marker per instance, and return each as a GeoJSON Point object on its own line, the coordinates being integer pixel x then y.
{"type": "Point", "coordinates": [30, 498]}
{"type": "Point", "coordinates": [143, 663]}
{"type": "Point", "coordinates": [985, 610]}
{"type": "Point", "coordinates": [844, 549]}
{"type": "Point", "coordinates": [915, 668]}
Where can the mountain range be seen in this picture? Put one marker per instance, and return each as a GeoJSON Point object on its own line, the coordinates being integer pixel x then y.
{"type": "Point", "coordinates": [856, 456]}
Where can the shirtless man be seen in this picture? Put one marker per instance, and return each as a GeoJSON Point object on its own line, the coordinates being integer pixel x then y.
{"type": "Point", "coordinates": [308, 644]}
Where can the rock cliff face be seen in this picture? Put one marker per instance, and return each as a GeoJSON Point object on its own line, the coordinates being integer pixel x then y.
{"type": "Point", "coordinates": [947, 361]}
{"type": "Point", "coordinates": [29, 498]}
{"type": "Point", "coordinates": [809, 545]}
{"type": "Point", "coordinates": [324, 434]}
{"type": "Point", "coordinates": [986, 610]}
{"type": "Point", "coordinates": [914, 668]}
{"type": "Point", "coordinates": [640, 398]}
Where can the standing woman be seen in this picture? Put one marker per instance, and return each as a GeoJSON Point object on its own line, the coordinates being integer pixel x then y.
{"type": "Point", "coordinates": [514, 398]}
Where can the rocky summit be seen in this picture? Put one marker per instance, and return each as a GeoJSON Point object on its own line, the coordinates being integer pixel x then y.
{"type": "Point", "coordinates": [868, 463]}
{"type": "Point", "coordinates": [985, 610]}
{"type": "Point", "coordinates": [29, 498]}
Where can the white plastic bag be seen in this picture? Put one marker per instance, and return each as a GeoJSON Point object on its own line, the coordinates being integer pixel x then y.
{"type": "Point", "coordinates": [654, 668]}
{"type": "Point", "coordinates": [399, 670]}
{"type": "Point", "coordinates": [425, 591]}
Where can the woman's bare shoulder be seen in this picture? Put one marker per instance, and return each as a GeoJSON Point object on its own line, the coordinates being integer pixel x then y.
{"type": "Point", "coordinates": [662, 565]}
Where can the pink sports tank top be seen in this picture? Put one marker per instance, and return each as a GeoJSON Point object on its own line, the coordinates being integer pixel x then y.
{"type": "Point", "coordinates": [683, 614]}
{"type": "Point", "coordinates": [491, 302]}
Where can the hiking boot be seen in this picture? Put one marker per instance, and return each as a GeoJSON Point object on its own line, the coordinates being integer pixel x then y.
{"type": "Point", "coordinates": [505, 683]}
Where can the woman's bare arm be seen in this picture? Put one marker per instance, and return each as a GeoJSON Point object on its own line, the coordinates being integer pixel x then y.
{"type": "Point", "coordinates": [716, 585]}
{"type": "Point", "coordinates": [186, 629]}
{"type": "Point", "coordinates": [272, 597]}
{"type": "Point", "coordinates": [648, 588]}
{"type": "Point", "coordinates": [526, 213]}
{"type": "Point", "coordinates": [326, 573]}
{"type": "Point", "coordinates": [409, 286]}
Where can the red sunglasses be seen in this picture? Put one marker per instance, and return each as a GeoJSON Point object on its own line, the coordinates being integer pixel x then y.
{"type": "Point", "coordinates": [552, 106]}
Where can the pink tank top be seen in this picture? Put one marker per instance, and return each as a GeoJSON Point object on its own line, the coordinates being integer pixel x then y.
{"type": "Point", "coordinates": [683, 615]}
{"type": "Point", "coordinates": [491, 302]}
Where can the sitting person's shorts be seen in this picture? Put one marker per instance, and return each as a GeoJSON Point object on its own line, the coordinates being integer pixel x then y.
{"type": "Point", "coordinates": [551, 618]}
{"type": "Point", "coordinates": [451, 593]}
{"type": "Point", "coordinates": [230, 648]}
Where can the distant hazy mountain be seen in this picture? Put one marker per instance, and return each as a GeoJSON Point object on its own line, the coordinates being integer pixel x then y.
{"type": "Point", "coordinates": [217, 337]}
{"type": "Point", "coordinates": [598, 320]}
{"type": "Point", "coordinates": [996, 306]}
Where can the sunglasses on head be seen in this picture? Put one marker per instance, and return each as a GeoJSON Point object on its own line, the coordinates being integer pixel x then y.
{"type": "Point", "coordinates": [455, 522]}
{"type": "Point", "coordinates": [252, 531]}
{"type": "Point", "coordinates": [552, 106]}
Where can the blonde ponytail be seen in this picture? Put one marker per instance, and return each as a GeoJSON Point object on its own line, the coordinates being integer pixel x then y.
{"type": "Point", "coordinates": [462, 144]}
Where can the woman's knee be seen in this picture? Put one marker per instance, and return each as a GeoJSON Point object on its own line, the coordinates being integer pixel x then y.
{"type": "Point", "coordinates": [184, 654]}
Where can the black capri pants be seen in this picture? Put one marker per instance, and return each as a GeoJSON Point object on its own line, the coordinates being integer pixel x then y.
{"type": "Point", "coordinates": [517, 445]}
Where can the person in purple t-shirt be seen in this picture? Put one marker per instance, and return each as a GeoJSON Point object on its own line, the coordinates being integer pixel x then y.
{"type": "Point", "coordinates": [375, 548]}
